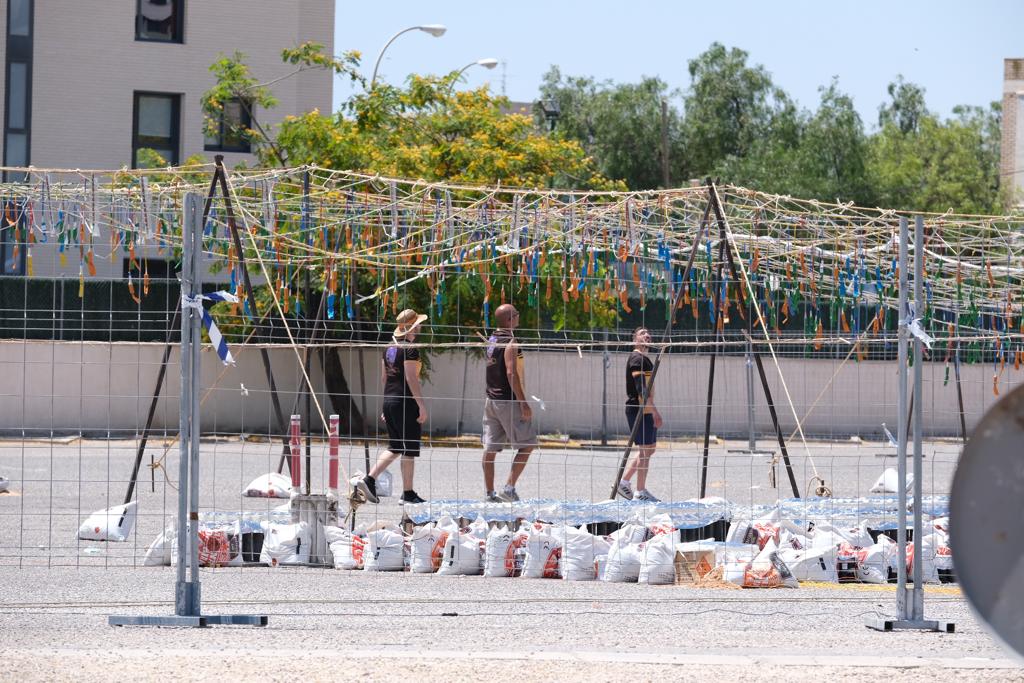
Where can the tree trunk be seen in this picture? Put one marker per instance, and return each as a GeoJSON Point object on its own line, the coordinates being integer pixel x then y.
{"type": "Point", "coordinates": [342, 401]}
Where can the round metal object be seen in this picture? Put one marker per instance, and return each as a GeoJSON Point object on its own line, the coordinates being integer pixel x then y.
{"type": "Point", "coordinates": [987, 520]}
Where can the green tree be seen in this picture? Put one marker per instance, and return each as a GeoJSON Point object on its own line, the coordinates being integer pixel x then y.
{"type": "Point", "coordinates": [619, 125]}
{"type": "Point", "coordinates": [730, 108]}
{"type": "Point", "coordinates": [918, 162]}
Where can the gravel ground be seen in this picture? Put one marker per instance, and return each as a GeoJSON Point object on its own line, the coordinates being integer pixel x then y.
{"type": "Point", "coordinates": [325, 625]}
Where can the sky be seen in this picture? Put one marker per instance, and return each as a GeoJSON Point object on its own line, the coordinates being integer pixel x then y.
{"type": "Point", "coordinates": [955, 50]}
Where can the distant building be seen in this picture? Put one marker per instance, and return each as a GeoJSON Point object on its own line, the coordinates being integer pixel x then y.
{"type": "Point", "coordinates": [88, 84]}
{"type": "Point", "coordinates": [1012, 168]}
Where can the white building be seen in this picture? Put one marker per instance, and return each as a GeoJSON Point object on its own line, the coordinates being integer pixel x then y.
{"type": "Point", "coordinates": [1012, 169]}
{"type": "Point", "coordinates": [87, 84]}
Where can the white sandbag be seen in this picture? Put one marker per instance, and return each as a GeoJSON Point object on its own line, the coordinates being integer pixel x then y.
{"type": "Point", "coordinates": [579, 550]}
{"type": "Point", "coordinates": [427, 544]}
{"type": "Point", "coordinates": [827, 536]}
{"type": "Point", "coordinates": [346, 548]}
{"type": "Point", "coordinates": [285, 544]}
{"type": "Point", "coordinates": [860, 536]}
{"type": "Point", "coordinates": [385, 551]}
{"type": "Point", "coordinates": [657, 564]}
{"type": "Point", "coordinates": [873, 565]}
{"type": "Point", "coordinates": [742, 531]}
{"type": "Point", "coordinates": [889, 482]}
{"type": "Point", "coordinates": [630, 533]}
{"type": "Point", "coordinates": [500, 552]}
{"type": "Point", "coordinates": [272, 485]}
{"type": "Point", "coordinates": [623, 563]}
{"type": "Point", "coordinates": [112, 524]}
{"type": "Point", "coordinates": [660, 524]}
{"type": "Point", "coordinates": [478, 528]}
{"type": "Point", "coordinates": [462, 555]}
{"type": "Point", "coordinates": [158, 554]}
{"type": "Point", "coordinates": [811, 563]}
{"type": "Point", "coordinates": [543, 556]}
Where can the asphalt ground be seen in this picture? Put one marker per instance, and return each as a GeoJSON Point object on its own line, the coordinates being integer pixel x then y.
{"type": "Point", "coordinates": [329, 625]}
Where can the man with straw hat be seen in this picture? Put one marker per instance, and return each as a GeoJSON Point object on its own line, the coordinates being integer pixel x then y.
{"type": "Point", "coordinates": [404, 411]}
{"type": "Point", "coordinates": [508, 420]}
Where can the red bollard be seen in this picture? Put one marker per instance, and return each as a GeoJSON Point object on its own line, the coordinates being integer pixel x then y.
{"type": "Point", "coordinates": [332, 463]}
{"type": "Point", "coordinates": [296, 461]}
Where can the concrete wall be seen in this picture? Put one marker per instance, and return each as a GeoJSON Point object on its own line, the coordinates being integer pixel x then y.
{"type": "Point", "coordinates": [70, 387]}
{"type": "Point", "coordinates": [87, 64]}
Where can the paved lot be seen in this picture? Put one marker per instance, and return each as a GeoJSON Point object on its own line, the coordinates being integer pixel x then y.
{"type": "Point", "coordinates": [325, 625]}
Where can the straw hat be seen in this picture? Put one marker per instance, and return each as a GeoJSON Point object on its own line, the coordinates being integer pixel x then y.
{"type": "Point", "coordinates": [407, 321]}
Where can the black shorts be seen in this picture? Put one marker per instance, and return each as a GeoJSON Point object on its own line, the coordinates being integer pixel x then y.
{"type": "Point", "coordinates": [646, 433]}
{"type": "Point", "coordinates": [404, 431]}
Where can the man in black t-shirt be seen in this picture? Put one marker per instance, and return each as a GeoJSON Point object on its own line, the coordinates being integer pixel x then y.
{"type": "Point", "coordinates": [508, 420]}
{"type": "Point", "coordinates": [404, 411]}
{"type": "Point", "coordinates": [638, 375]}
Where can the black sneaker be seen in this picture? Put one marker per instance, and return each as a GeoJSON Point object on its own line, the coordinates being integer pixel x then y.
{"type": "Point", "coordinates": [410, 497]}
{"type": "Point", "coordinates": [365, 486]}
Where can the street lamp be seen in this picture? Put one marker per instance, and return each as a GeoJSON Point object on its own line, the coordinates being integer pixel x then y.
{"type": "Point", "coordinates": [436, 30]}
{"type": "Point", "coordinates": [487, 63]}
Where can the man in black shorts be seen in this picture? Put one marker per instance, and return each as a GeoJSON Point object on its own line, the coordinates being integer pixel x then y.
{"type": "Point", "coordinates": [508, 420]}
{"type": "Point", "coordinates": [638, 375]}
{"type": "Point", "coordinates": [403, 411]}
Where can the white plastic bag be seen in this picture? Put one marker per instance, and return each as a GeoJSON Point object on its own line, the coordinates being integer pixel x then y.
{"type": "Point", "coordinates": [272, 485]}
{"type": "Point", "coordinates": [811, 563]}
{"type": "Point", "coordinates": [500, 551]}
{"type": "Point", "coordinates": [623, 563]}
{"type": "Point", "coordinates": [427, 543]}
{"type": "Point", "coordinates": [112, 524]}
{"type": "Point", "coordinates": [767, 570]}
{"type": "Point", "coordinates": [346, 548]}
{"type": "Point", "coordinates": [657, 564]}
{"type": "Point", "coordinates": [158, 554]}
{"type": "Point", "coordinates": [385, 551]}
{"type": "Point", "coordinates": [462, 554]}
{"type": "Point", "coordinates": [889, 481]}
{"type": "Point", "coordinates": [543, 556]}
{"type": "Point", "coordinates": [579, 550]}
{"type": "Point", "coordinates": [285, 544]}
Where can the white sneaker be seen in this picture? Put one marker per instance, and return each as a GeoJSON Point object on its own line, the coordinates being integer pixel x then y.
{"type": "Point", "coordinates": [647, 496]}
{"type": "Point", "coordinates": [625, 489]}
{"type": "Point", "coordinates": [509, 495]}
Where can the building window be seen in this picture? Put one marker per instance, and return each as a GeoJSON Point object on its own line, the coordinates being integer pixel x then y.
{"type": "Point", "coordinates": [231, 129]}
{"type": "Point", "coordinates": [156, 126]}
{"type": "Point", "coordinates": [18, 93]}
{"type": "Point", "coordinates": [162, 21]}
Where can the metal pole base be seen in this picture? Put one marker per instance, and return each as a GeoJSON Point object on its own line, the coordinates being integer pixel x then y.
{"type": "Point", "coordinates": [201, 621]}
{"type": "Point", "coordinates": [883, 624]}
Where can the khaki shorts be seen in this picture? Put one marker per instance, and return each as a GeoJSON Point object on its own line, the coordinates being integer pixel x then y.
{"type": "Point", "coordinates": [504, 426]}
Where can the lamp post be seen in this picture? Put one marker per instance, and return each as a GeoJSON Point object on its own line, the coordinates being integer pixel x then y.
{"type": "Point", "coordinates": [487, 63]}
{"type": "Point", "coordinates": [436, 30]}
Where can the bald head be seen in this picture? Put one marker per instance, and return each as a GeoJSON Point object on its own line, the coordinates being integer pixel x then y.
{"type": "Point", "coordinates": [507, 316]}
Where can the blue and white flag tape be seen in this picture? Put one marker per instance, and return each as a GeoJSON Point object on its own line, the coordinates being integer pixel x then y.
{"type": "Point", "coordinates": [216, 338]}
